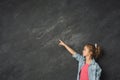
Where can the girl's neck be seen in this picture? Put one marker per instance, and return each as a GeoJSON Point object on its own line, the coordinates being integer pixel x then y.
{"type": "Point", "coordinates": [88, 60]}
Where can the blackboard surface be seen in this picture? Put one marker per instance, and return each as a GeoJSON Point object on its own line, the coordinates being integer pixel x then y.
{"type": "Point", "coordinates": [30, 29]}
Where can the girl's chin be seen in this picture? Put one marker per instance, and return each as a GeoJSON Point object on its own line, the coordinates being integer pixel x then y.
{"type": "Point", "coordinates": [84, 55]}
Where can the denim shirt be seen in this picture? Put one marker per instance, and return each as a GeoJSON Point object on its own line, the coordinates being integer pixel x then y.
{"type": "Point", "coordinates": [94, 70]}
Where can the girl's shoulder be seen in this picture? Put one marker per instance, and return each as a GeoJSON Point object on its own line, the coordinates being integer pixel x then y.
{"type": "Point", "coordinates": [97, 65]}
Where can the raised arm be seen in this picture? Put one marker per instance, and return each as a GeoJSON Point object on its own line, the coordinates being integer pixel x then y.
{"type": "Point", "coordinates": [75, 55]}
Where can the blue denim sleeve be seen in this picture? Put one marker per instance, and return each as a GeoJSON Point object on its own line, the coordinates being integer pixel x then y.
{"type": "Point", "coordinates": [77, 56]}
{"type": "Point", "coordinates": [98, 72]}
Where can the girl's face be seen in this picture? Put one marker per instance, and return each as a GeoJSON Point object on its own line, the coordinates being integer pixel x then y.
{"type": "Point", "coordinates": [86, 51]}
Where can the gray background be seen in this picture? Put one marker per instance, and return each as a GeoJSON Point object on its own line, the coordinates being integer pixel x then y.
{"type": "Point", "coordinates": [30, 29]}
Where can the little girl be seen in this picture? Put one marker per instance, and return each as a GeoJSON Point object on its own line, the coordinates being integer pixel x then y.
{"type": "Point", "coordinates": [88, 68]}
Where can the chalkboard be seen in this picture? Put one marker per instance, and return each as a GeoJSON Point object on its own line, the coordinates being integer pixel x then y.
{"type": "Point", "coordinates": [30, 30]}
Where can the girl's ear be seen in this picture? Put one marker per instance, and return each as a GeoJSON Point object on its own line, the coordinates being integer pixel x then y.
{"type": "Point", "coordinates": [91, 53]}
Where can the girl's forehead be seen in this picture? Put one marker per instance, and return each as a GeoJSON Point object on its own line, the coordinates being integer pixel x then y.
{"type": "Point", "coordinates": [85, 46]}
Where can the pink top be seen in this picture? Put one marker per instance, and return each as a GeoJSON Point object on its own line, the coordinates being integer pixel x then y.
{"type": "Point", "coordinates": [84, 72]}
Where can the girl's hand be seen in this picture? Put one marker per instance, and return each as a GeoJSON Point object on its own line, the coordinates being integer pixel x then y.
{"type": "Point", "coordinates": [61, 43]}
